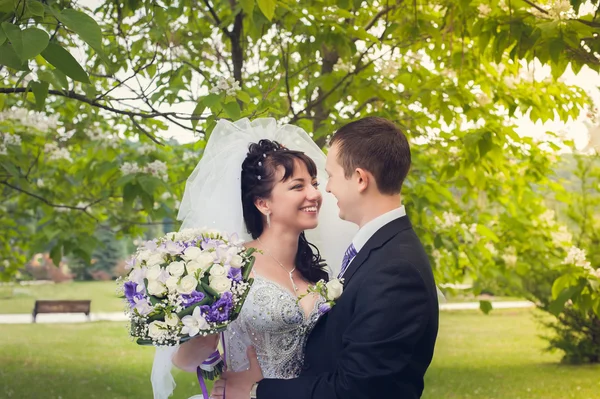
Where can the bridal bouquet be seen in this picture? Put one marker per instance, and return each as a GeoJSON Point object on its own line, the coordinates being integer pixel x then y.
{"type": "Point", "coordinates": [184, 284]}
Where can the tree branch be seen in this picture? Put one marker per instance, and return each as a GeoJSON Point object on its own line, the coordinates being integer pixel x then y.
{"type": "Point", "coordinates": [44, 200]}
{"type": "Point", "coordinates": [170, 116]}
{"type": "Point", "coordinates": [217, 20]}
{"type": "Point", "coordinates": [381, 13]}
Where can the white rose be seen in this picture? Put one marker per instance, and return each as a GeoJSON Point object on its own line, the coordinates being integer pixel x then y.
{"type": "Point", "coordinates": [187, 285]}
{"type": "Point", "coordinates": [220, 284]}
{"type": "Point", "coordinates": [206, 259]}
{"type": "Point", "coordinates": [153, 273]}
{"type": "Point", "coordinates": [176, 269]}
{"type": "Point", "coordinates": [157, 329]}
{"type": "Point", "coordinates": [236, 261]}
{"type": "Point", "coordinates": [192, 267]}
{"type": "Point", "coordinates": [217, 271]}
{"type": "Point", "coordinates": [172, 283]}
{"type": "Point", "coordinates": [334, 289]}
{"type": "Point", "coordinates": [156, 288]}
{"type": "Point", "coordinates": [143, 255]}
{"type": "Point", "coordinates": [155, 259]}
{"type": "Point", "coordinates": [172, 320]}
{"type": "Point", "coordinates": [191, 253]}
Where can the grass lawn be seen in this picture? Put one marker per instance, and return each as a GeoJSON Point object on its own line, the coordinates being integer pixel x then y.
{"type": "Point", "coordinates": [500, 356]}
{"type": "Point", "coordinates": [481, 357]}
{"type": "Point", "coordinates": [20, 299]}
{"type": "Point", "coordinates": [74, 361]}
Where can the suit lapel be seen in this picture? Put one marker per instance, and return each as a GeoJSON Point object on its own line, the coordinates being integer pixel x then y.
{"type": "Point", "coordinates": [378, 239]}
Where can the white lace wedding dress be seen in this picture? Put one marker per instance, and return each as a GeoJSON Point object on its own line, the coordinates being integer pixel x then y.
{"type": "Point", "coordinates": [276, 325]}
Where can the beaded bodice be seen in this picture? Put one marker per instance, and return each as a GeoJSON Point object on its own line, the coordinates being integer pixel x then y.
{"type": "Point", "coordinates": [276, 325]}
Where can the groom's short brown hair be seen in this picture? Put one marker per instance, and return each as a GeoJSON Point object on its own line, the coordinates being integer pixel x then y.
{"type": "Point", "coordinates": [377, 146]}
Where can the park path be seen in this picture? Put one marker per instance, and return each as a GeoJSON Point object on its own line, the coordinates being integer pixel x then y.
{"type": "Point", "coordinates": [119, 316]}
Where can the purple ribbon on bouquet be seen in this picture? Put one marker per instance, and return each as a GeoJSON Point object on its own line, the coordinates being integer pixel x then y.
{"type": "Point", "coordinates": [210, 363]}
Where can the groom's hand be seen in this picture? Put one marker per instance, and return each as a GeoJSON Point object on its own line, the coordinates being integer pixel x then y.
{"type": "Point", "coordinates": [238, 385]}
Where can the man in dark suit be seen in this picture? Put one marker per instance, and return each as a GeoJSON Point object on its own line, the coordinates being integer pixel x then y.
{"type": "Point", "coordinates": [378, 340]}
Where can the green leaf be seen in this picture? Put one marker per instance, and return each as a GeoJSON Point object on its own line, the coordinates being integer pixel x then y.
{"type": "Point", "coordinates": [151, 70]}
{"type": "Point", "coordinates": [40, 91]}
{"type": "Point", "coordinates": [267, 7]}
{"type": "Point", "coordinates": [556, 48]}
{"type": "Point", "coordinates": [48, 77]}
{"type": "Point", "coordinates": [2, 37]}
{"type": "Point", "coordinates": [211, 99]}
{"type": "Point", "coordinates": [149, 183]}
{"type": "Point", "coordinates": [56, 254]}
{"type": "Point", "coordinates": [62, 60]}
{"type": "Point", "coordinates": [130, 192]}
{"type": "Point", "coordinates": [561, 283]}
{"type": "Point", "coordinates": [9, 57]}
{"type": "Point", "coordinates": [247, 6]}
{"type": "Point", "coordinates": [557, 306]}
{"type": "Point", "coordinates": [84, 25]}
{"type": "Point", "coordinates": [243, 97]}
{"type": "Point", "coordinates": [485, 306]}
{"type": "Point", "coordinates": [13, 33]}
{"type": "Point", "coordinates": [61, 78]}
{"type": "Point", "coordinates": [7, 6]}
{"type": "Point", "coordinates": [147, 201]}
{"type": "Point", "coordinates": [10, 168]}
{"type": "Point", "coordinates": [486, 232]}
{"type": "Point", "coordinates": [232, 110]}
{"type": "Point", "coordinates": [34, 42]}
{"type": "Point", "coordinates": [200, 107]}
{"type": "Point", "coordinates": [35, 8]}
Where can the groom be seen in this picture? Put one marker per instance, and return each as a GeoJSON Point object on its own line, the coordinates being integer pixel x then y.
{"type": "Point", "coordinates": [378, 339]}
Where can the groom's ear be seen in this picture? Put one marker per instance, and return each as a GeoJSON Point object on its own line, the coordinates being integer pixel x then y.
{"type": "Point", "coordinates": [262, 205]}
{"type": "Point", "coordinates": [363, 179]}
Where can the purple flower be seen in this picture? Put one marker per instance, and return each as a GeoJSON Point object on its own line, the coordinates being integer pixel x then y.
{"type": "Point", "coordinates": [324, 308]}
{"type": "Point", "coordinates": [132, 292]}
{"type": "Point", "coordinates": [190, 299]}
{"type": "Point", "coordinates": [220, 310]}
{"type": "Point", "coordinates": [235, 274]}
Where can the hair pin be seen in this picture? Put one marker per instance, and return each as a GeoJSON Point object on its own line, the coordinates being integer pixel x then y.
{"type": "Point", "coordinates": [260, 164]}
{"type": "Point", "coordinates": [264, 155]}
{"type": "Point", "coordinates": [259, 177]}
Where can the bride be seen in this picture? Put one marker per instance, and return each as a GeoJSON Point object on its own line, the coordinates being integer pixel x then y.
{"type": "Point", "coordinates": [261, 181]}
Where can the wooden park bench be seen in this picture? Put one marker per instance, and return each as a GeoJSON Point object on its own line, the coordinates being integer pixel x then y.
{"type": "Point", "coordinates": [62, 306]}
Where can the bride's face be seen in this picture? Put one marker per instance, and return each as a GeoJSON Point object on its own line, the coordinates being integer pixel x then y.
{"type": "Point", "coordinates": [295, 202]}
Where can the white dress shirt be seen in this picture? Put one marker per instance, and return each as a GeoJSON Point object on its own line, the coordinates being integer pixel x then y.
{"type": "Point", "coordinates": [368, 230]}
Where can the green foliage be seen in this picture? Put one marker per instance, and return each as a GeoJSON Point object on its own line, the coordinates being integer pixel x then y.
{"type": "Point", "coordinates": [452, 74]}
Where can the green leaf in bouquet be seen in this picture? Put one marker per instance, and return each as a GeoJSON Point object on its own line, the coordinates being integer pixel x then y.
{"type": "Point", "coordinates": [208, 290]}
{"type": "Point", "coordinates": [240, 304]}
{"type": "Point", "coordinates": [190, 310]}
{"type": "Point", "coordinates": [250, 251]}
{"type": "Point", "coordinates": [153, 300]}
{"type": "Point", "coordinates": [144, 342]}
{"type": "Point", "coordinates": [248, 268]}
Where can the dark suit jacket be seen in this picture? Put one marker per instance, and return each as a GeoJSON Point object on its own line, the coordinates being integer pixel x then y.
{"type": "Point", "coordinates": [378, 339]}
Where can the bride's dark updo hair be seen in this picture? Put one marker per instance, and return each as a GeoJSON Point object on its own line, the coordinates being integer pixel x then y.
{"type": "Point", "coordinates": [259, 171]}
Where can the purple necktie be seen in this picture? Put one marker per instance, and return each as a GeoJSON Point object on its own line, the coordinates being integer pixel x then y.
{"type": "Point", "coordinates": [348, 256]}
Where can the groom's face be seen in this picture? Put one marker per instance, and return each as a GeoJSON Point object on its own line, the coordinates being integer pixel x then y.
{"type": "Point", "coordinates": [343, 189]}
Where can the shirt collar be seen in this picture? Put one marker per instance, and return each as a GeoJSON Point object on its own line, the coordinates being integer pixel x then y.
{"type": "Point", "coordinates": [366, 232]}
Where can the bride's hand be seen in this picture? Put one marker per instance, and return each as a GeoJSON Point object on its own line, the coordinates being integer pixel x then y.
{"type": "Point", "coordinates": [192, 353]}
